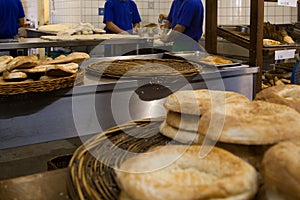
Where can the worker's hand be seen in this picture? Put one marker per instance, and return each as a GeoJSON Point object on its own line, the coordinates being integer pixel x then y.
{"type": "Point", "coordinates": [135, 30]}
{"type": "Point", "coordinates": [164, 38]}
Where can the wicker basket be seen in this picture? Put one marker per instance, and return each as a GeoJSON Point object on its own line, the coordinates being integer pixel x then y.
{"type": "Point", "coordinates": [59, 162]}
{"type": "Point", "coordinates": [93, 178]}
{"type": "Point", "coordinates": [145, 68]}
{"type": "Point", "coordinates": [91, 173]}
{"type": "Point", "coordinates": [13, 88]}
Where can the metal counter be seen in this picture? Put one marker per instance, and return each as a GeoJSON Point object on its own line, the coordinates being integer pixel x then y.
{"type": "Point", "coordinates": [100, 104]}
{"type": "Point", "coordinates": [27, 43]}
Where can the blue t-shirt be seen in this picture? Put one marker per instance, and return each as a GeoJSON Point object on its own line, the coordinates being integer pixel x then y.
{"type": "Point", "coordinates": [10, 12]}
{"type": "Point", "coordinates": [121, 13]}
{"type": "Point", "coordinates": [189, 13]}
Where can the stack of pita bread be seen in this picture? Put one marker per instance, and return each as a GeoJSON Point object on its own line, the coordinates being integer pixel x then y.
{"type": "Point", "coordinates": [240, 128]}
{"type": "Point", "coordinates": [32, 68]}
{"type": "Point", "coordinates": [245, 128]}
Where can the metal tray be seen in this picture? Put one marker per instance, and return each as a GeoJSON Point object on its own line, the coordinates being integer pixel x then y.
{"type": "Point", "coordinates": [243, 32]}
{"type": "Point", "coordinates": [196, 56]}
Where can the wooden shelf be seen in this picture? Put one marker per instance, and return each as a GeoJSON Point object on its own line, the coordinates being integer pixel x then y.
{"type": "Point", "coordinates": [255, 44]}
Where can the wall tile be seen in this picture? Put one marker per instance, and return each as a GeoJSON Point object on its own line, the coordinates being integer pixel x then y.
{"type": "Point", "coordinates": [229, 11]}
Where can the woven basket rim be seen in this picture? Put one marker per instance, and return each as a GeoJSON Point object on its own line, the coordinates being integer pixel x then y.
{"type": "Point", "coordinates": [89, 178]}
{"type": "Point", "coordinates": [13, 88]}
{"type": "Point", "coordinates": [100, 68]}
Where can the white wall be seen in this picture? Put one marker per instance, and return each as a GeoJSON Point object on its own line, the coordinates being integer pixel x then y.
{"type": "Point", "coordinates": [31, 10]}
{"type": "Point", "coordinates": [230, 12]}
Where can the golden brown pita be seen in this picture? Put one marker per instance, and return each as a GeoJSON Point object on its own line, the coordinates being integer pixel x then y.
{"type": "Point", "coordinates": [14, 76]}
{"type": "Point", "coordinates": [183, 121]}
{"type": "Point", "coordinates": [280, 170]}
{"type": "Point", "coordinates": [197, 102]}
{"type": "Point", "coordinates": [219, 175]}
{"type": "Point", "coordinates": [215, 60]}
{"type": "Point", "coordinates": [23, 62]}
{"type": "Point", "coordinates": [257, 123]}
{"type": "Point", "coordinates": [60, 70]}
{"type": "Point", "coordinates": [36, 69]}
{"type": "Point", "coordinates": [5, 59]}
{"type": "Point", "coordinates": [180, 135]}
{"type": "Point", "coordinates": [72, 57]}
{"type": "Point", "coordinates": [288, 95]}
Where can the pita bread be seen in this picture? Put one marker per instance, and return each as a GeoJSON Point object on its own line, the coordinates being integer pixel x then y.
{"type": "Point", "coordinates": [280, 170]}
{"type": "Point", "coordinates": [45, 61]}
{"type": "Point", "coordinates": [215, 60]}
{"type": "Point", "coordinates": [183, 121]}
{"type": "Point", "coordinates": [288, 95]}
{"type": "Point", "coordinates": [183, 136]}
{"type": "Point", "coordinates": [62, 69]}
{"type": "Point", "coordinates": [36, 69]}
{"type": "Point", "coordinates": [54, 28]}
{"type": "Point", "coordinates": [197, 102]}
{"type": "Point", "coordinates": [3, 67]}
{"type": "Point", "coordinates": [23, 62]}
{"type": "Point", "coordinates": [60, 57]}
{"type": "Point", "coordinates": [270, 42]}
{"type": "Point", "coordinates": [257, 123]}
{"type": "Point", "coordinates": [3, 62]}
{"type": "Point", "coordinates": [14, 76]}
{"type": "Point", "coordinates": [219, 175]}
{"type": "Point", "coordinates": [72, 57]}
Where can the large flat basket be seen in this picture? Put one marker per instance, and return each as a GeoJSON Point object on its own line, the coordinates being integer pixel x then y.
{"type": "Point", "coordinates": [14, 88]}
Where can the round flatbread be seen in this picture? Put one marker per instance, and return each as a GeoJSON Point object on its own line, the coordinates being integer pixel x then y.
{"type": "Point", "coordinates": [250, 153]}
{"type": "Point", "coordinates": [288, 95]}
{"type": "Point", "coordinates": [183, 121]}
{"type": "Point", "coordinates": [184, 136]}
{"type": "Point", "coordinates": [197, 102]}
{"type": "Point", "coordinates": [256, 123]}
{"type": "Point", "coordinates": [280, 170]}
{"type": "Point", "coordinates": [219, 175]}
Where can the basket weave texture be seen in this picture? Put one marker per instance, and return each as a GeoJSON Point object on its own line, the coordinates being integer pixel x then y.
{"type": "Point", "coordinates": [13, 88]}
{"type": "Point", "coordinates": [145, 68]}
{"type": "Point", "coordinates": [91, 172]}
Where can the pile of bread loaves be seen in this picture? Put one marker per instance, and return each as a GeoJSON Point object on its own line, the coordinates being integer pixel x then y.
{"type": "Point", "coordinates": [220, 132]}
{"type": "Point", "coordinates": [31, 68]}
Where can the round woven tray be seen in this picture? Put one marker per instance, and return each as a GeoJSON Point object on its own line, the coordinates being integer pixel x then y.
{"type": "Point", "coordinates": [91, 176]}
{"type": "Point", "coordinates": [14, 88]}
{"type": "Point", "coordinates": [145, 68]}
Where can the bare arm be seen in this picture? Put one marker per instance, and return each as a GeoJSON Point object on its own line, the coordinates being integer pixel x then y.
{"type": "Point", "coordinates": [21, 22]}
{"type": "Point", "coordinates": [114, 28]}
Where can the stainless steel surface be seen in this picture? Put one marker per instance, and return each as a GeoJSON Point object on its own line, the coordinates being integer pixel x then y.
{"type": "Point", "coordinates": [8, 40]}
{"type": "Point", "coordinates": [102, 103]}
{"type": "Point", "coordinates": [34, 33]}
{"type": "Point", "coordinates": [26, 43]}
{"type": "Point", "coordinates": [197, 56]}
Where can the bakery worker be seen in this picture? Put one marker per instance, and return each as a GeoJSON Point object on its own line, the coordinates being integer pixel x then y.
{"type": "Point", "coordinates": [121, 16]}
{"type": "Point", "coordinates": [186, 21]}
{"type": "Point", "coordinates": [11, 18]}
